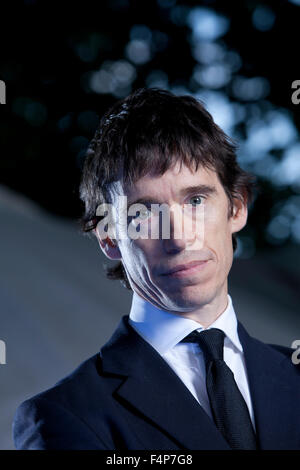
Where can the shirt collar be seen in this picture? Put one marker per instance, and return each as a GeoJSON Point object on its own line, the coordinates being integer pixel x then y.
{"type": "Point", "coordinates": [163, 329]}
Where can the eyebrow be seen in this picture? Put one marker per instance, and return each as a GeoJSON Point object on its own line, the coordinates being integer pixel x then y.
{"type": "Point", "coordinates": [199, 188]}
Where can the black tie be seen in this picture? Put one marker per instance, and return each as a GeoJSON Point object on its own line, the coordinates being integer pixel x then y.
{"type": "Point", "coordinates": [228, 406]}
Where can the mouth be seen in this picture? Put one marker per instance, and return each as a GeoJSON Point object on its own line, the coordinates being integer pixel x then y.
{"type": "Point", "coordinates": [186, 269]}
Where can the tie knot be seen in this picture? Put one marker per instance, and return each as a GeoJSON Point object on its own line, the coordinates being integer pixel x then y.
{"type": "Point", "coordinates": [210, 341]}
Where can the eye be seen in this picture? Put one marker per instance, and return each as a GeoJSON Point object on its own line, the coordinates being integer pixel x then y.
{"type": "Point", "coordinates": [197, 200]}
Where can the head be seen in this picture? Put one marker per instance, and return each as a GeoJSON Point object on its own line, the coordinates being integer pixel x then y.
{"type": "Point", "coordinates": [154, 147]}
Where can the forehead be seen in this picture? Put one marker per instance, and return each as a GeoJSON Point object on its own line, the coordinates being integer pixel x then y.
{"type": "Point", "coordinates": [167, 185]}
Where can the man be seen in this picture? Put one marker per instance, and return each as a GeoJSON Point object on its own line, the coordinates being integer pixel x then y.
{"type": "Point", "coordinates": [180, 372]}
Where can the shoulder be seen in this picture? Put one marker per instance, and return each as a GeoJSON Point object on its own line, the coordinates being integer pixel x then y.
{"type": "Point", "coordinates": [288, 354]}
{"type": "Point", "coordinates": [287, 358]}
{"type": "Point", "coordinates": [284, 350]}
{"type": "Point", "coordinates": [83, 376]}
{"type": "Point", "coordinates": [58, 418]}
{"type": "Point", "coordinates": [270, 356]}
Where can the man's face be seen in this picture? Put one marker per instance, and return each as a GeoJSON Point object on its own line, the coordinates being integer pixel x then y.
{"type": "Point", "coordinates": [147, 261]}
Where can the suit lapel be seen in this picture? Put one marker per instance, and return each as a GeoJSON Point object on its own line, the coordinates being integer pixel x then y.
{"type": "Point", "coordinates": [275, 391]}
{"type": "Point", "coordinates": [153, 388]}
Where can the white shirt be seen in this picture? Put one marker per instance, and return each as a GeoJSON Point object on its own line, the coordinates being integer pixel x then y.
{"type": "Point", "coordinates": [163, 330]}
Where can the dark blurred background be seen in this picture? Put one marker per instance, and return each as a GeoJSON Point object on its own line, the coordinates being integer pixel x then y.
{"type": "Point", "coordinates": [64, 64]}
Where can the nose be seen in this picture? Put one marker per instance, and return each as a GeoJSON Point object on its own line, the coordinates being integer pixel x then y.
{"type": "Point", "coordinates": [181, 234]}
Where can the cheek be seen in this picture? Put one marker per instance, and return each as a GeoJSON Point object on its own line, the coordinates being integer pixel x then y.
{"type": "Point", "coordinates": [130, 256]}
{"type": "Point", "coordinates": [217, 235]}
{"type": "Point", "coordinates": [135, 256]}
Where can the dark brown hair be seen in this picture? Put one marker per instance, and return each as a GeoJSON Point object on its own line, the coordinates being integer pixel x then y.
{"type": "Point", "coordinates": [151, 130]}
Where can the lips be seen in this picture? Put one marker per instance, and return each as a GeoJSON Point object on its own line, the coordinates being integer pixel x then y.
{"type": "Point", "coordinates": [182, 267]}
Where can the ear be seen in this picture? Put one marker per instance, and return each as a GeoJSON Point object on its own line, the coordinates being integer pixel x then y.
{"type": "Point", "coordinates": [240, 214]}
{"type": "Point", "coordinates": [108, 246]}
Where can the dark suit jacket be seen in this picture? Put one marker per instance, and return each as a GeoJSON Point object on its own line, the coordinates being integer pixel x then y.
{"type": "Point", "coordinates": [127, 397]}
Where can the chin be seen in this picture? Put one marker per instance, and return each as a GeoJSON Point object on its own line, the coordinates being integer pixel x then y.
{"type": "Point", "coordinates": [189, 298]}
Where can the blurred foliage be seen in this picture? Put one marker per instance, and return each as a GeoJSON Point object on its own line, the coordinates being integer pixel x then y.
{"type": "Point", "coordinates": [65, 63]}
